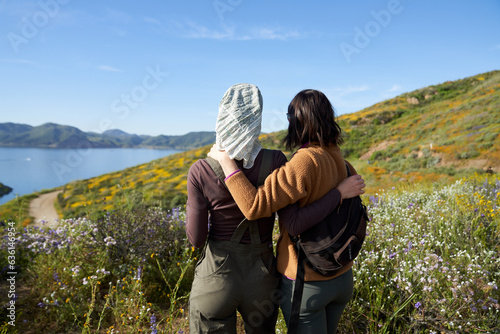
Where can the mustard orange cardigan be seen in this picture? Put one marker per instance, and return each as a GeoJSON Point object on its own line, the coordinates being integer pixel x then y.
{"type": "Point", "coordinates": [310, 174]}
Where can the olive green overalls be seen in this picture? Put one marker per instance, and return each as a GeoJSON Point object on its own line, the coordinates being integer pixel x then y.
{"type": "Point", "coordinates": [233, 276]}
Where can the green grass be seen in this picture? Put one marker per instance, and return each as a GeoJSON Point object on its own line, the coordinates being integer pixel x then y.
{"type": "Point", "coordinates": [429, 265]}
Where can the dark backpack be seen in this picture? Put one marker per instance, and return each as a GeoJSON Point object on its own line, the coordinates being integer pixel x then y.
{"type": "Point", "coordinates": [329, 246]}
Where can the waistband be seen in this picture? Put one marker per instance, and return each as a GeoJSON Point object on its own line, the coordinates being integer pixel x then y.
{"type": "Point", "coordinates": [239, 247]}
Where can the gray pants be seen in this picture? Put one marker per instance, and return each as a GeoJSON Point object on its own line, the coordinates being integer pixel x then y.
{"type": "Point", "coordinates": [230, 277]}
{"type": "Point", "coordinates": [322, 303]}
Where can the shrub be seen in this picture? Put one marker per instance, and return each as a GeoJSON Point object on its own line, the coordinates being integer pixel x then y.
{"type": "Point", "coordinates": [430, 262]}
{"type": "Point", "coordinates": [115, 272]}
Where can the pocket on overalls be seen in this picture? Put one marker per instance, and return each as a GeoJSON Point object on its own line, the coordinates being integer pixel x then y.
{"type": "Point", "coordinates": [214, 262]}
{"type": "Point", "coordinates": [213, 288]}
{"type": "Point", "coordinates": [269, 263]}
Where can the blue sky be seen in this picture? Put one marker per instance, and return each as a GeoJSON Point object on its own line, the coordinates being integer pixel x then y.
{"type": "Point", "coordinates": [161, 67]}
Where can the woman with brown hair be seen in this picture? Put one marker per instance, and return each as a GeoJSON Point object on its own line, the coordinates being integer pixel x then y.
{"type": "Point", "coordinates": [315, 168]}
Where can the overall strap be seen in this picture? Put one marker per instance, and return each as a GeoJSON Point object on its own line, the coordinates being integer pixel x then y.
{"type": "Point", "coordinates": [264, 170]}
{"type": "Point", "coordinates": [265, 166]}
{"type": "Point", "coordinates": [242, 227]}
{"type": "Point", "coordinates": [216, 167]}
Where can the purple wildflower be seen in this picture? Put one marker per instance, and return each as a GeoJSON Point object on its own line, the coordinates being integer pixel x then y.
{"type": "Point", "coordinates": [139, 273]}
{"type": "Point", "coordinates": [152, 321]}
{"type": "Point", "coordinates": [374, 200]}
{"type": "Point", "coordinates": [57, 279]}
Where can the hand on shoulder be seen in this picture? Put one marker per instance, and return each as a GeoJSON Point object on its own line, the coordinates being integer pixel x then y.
{"type": "Point", "coordinates": [228, 165]}
{"type": "Point", "coordinates": [217, 154]}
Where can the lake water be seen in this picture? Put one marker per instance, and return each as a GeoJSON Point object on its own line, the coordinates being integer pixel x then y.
{"type": "Point", "coordinates": [28, 170]}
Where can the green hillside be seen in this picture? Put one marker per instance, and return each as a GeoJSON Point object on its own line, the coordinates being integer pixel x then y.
{"type": "Point", "coordinates": [437, 134]}
{"type": "Point", "coordinates": [63, 136]}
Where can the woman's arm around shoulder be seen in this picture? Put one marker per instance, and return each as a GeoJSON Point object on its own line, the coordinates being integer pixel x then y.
{"type": "Point", "coordinates": [282, 187]}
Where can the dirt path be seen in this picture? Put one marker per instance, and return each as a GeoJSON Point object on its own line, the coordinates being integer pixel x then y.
{"type": "Point", "coordinates": [42, 209]}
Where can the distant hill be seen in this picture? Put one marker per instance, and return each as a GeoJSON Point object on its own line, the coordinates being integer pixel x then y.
{"type": "Point", "coordinates": [52, 135]}
{"type": "Point", "coordinates": [435, 134]}
{"type": "Point", "coordinates": [4, 190]}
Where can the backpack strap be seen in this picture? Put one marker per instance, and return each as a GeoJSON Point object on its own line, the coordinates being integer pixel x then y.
{"type": "Point", "coordinates": [348, 170]}
{"type": "Point", "coordinates": [298, 289]}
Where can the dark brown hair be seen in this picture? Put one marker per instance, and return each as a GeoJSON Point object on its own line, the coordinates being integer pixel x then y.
{"type": "Point", "coordinates": [312, 119]}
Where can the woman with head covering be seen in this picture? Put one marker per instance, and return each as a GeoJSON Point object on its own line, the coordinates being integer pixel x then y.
{"type": "Point", "coordinates": [237, 269]}
{"type": "Point", "coordinates": [315, 168]}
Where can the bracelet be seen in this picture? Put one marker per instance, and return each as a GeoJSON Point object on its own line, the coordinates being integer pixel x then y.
{"type": "Point", "coordinates": [236, 171]}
